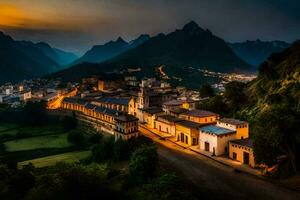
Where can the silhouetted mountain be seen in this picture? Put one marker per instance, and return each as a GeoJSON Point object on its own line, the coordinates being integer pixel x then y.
{"type": "Point", "coordinates": [191, 46]}
{"type": "Point", "coordinates": [256, 52]}
{"type": "Point", "coordinates": [100, 53]}
{"type": "Point", "coordinates": [182, 53]}
{"type": "Point", "coordinates": [59, 56]}
{"type": "Point", "coordinates": [19, 60]}
{"type": "Point", "coordinates": [23, 59]}
{"type": "Point", "coordinates": [65, 57]}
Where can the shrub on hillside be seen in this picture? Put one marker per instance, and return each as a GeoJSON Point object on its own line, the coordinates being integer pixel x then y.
{"type": "Point", "coordinates": [143, 163]}
{"type": "Point", "coordinates": [76, 137]}
{"type": "Point", "coordinates": [69, 123]}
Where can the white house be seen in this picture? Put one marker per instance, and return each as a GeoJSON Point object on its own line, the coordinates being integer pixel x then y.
{"type": "Point", "coordinates": [215, 139]}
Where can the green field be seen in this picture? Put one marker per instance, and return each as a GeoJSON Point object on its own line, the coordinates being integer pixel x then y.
{"type": "Point", "coordinates": [6, 126]}
{"type": "Point", "coordinates": [39, 142]}
{"type": "Point", "coordinates": [52, 160]}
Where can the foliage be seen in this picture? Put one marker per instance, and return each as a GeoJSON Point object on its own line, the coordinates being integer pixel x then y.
{"type": "Point", "coordinates": [76, 137]}
{"type": "Point", "coordinates": [103, 151]}
{"type": "Point", "coordinates": [95, 138]}
{"type": "Point", "coordinates": [69, 123]}
{"type": "Point", "coordinates": [206, 91]}
{"type": "Point", "coordinates": [35, 112]}
{"type": "Point", "coordinates": [281, 138]}
{"type": "Point", "coordinates": [121, 150]}
{"type": "Point", "coordinates": [143, 163]}
{"type": "Point", "coordinates": [72, 181]}
{"type": "Point", "coordinates": [215, 104]}
{"type": "Point", "coordinates": [167, 186]}
{"type": "Point", "coordinates": [235, 95]}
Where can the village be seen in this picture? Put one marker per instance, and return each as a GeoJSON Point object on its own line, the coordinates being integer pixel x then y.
{"type": "Point", "coordinates": [149, 105]}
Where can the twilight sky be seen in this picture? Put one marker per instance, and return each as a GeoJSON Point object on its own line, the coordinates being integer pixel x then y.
{"type": "Point", "coordinates": [76, 25]}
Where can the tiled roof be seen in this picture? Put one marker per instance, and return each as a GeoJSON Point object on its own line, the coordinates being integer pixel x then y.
{"type": "Point", "coordinates": [168, 118]}
{"type": "Point", "coordinates": [178, 111]}
{"type": "Point", "coordinates": [75, 101]}
{"type": "Point", "coordinates": [119, 101]}
{"type": "Point", "coordinates": [199, 113]}
{"type": "Point", "coordinates": [216, 130]}
{"type": "Point", "coordinates": [152, 110]}
{"type": "Point", "coordinates": [126, 118]}
{"type": "Point", "coordinates": [177, 102]}
{"type": "Point", "coordinates": [231, 121]}
{"type": "Point", "coordinates": [244, 142]}
{"type": "Point", "coordinates": [89, 106]}
{"type": "Point", "coordinates": [107, 111]}
{"type": "Point", "coordinates": [189, 124]}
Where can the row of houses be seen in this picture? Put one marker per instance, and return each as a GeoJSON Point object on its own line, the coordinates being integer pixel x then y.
{"type": "Point", "coordinates": [113, 121]}
{"type": "Point", "coordinates": [204, 130]}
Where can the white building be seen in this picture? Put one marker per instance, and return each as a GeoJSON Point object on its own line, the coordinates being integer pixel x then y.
{"type": "Point", "coordinates": [215, 139]}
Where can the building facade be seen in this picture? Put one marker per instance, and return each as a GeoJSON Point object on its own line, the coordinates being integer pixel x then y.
{"type": "Point", "coordinates": [242, 151]}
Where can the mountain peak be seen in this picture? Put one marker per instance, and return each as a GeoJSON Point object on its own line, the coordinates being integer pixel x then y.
{"type": "Point", "coordinates": [120, 40]}
{"type": "Point", "coordinates": [192, 27]}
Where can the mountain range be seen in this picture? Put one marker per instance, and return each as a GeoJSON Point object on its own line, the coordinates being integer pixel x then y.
{"type": "Point", "coordinates": [101, 53]}
{"type": "Point", "coordinates": [182, 53]}
{"type": "Point", "coordinates": [190, 46]}
{"type": "Point", "coordinates": [256, 52]}
{"type": "Point", "coordinates": [23, 59]}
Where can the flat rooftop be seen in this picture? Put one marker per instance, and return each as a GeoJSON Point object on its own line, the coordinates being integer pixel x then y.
{"type": "Point", "coordinates": [216, 130]}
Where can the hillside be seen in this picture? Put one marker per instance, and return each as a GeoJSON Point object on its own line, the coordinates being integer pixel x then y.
{"type": "Point", "coordinates": [59, 56]}
{"type": "Point", "coordinates": [24, 59]}
{"type": "Point", "coordinates": [100, 53]}
{"type": "Point", "coordinates": [256, 52]}
{"type": "Point", "coordinates": [20, 60]}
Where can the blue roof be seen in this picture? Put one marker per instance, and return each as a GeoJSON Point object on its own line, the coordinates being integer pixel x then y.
{"type": "Point", "coordinates": [89, 106]}
{"type": "Point", "coordinates": [216, 130]}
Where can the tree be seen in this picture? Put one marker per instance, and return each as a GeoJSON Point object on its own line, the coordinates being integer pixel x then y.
{"type": "Point", "coordinates": [235, 95]}
{"type": "Point", "coordinates": [277, 133]}
{"type": "Point", "coordinates": [206, 91]}
{"type": "Point", "coordinates": [69, 123]}
{"type": "Point", "coordinates": [35, 112]}
{"type": "Point", "coordinates": [103, 151]}
{"type": "Point", "coordinates": [215, 104]}
{"type": "Point", "coordinates": [76, 137]}
{"type": "Point", "coordinates": [143, 163]}
{"type": "Point", "coordinates": [121, 150]}
{"type": "Point", "coordinates": [95, 138]}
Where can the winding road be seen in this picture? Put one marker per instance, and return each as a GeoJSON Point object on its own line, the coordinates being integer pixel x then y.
{"type": "Point", "coordinates": [218, 180]}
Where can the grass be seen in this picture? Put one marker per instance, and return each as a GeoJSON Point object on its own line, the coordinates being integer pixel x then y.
{"type": "Point", "coordinates": [7, 126]}
{"type": "Point", "coordinates": [39, 142]}
{"type": "Point", "coordinates": [52, 160]}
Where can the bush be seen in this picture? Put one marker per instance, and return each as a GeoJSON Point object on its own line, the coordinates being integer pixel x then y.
{"type": "Point", "coordinates": [76, 137]}
{"type": "Point", "coordinates": [143, 163]}
{"type": "Point", "coordinates": [104, 151]}
{"type": "Point", "coordinates": [69, 123]}
{"type": "Point", "coordinates": [206, 91]}
{"type": "Point", "coordinates": [95, 138]}
{"type": "Point", "coordinates": [121, 150]}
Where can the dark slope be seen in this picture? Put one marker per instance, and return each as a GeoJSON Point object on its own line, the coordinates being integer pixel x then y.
{"type": "Point", "coordinates": [191, 46]}
{"type": "Point", "coordinates": [100, 53]}
{"type": "Point", "coordinates": [19, 60]}
{"type": "Point", "coordinates": [59, 56]}
{"type": "Point", "coordinates": [256, 52]}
